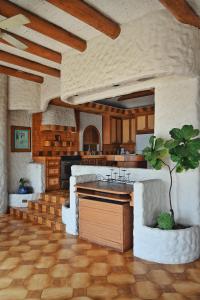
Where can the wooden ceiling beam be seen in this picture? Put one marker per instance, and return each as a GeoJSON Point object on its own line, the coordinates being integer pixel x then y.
{"type": "Point", "coordinates": [182, 11]}
{"type": "Point", "coordinates": [89, 15]}
{"type": "Point", "coordinates": [21, 74]}
{"type": "Point", "coordinates": [9, 9]}
{"type": "Point", "coordinates": [26, 63]}
{"type": "Point", "coordinates": [136, 95]}
{"type": "Point", "coordinates": [35, 49]}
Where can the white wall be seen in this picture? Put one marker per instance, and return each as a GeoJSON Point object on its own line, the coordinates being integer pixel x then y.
{"type": "Point", "coordinates": [23, 94]}
{"type": "Point", "coordinates": [3, 143]}
{"type": "Point", "coordinates": [86, 120]}
{"type": "Point", "coordinates": [18, 161]}
{"type": "Point", "coordinates": [178, 103]}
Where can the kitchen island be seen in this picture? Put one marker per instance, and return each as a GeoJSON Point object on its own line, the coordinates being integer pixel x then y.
{"type": "Point", "coordinates": [105, 213]}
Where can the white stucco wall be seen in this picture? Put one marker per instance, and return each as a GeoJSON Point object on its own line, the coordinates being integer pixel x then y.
{"type": "Point", "coordinates": [86, 120]}
{"type": "Point", "coordinates": [50, 89]}
{"type": "Point", "coordinates": [23, 94]}
{"type": "Point", "coordinates": [154, 45]}
{"type": "Point", "coordinates": [3, 142]}
{"type": "Point", "coordinates": [178, 103]}
{"type": "Point", "coordinates": [18, 161]}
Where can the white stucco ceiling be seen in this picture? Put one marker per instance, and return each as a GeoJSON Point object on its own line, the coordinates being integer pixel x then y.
{"type": "Point", "coordinates": [121, 11]}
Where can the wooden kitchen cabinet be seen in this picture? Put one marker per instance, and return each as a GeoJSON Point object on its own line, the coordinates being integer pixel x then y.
{"type": "Point", "coordinates": [145, 123]}
{"type": "Point", "coordinates": [128, 131]}
{"type": "Point", "coordinates": [116, 130]}
{"type": "Point", "coordinates": [52, 172]}
{"type": "Point", "coordinates": [109, 224]}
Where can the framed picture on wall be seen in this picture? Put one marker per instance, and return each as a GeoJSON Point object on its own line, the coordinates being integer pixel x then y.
{"type": "Point", "coordinates": [20, 139]}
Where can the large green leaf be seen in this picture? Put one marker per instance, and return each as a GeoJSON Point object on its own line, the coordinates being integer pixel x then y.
{"type": "Point", "coordinates": [176, 134]}
{"type": "Point", "coordinates": [188, 132]}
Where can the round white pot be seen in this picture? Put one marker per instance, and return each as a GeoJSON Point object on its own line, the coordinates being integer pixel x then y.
{"type": "Point", "coordinates": [170, 246]}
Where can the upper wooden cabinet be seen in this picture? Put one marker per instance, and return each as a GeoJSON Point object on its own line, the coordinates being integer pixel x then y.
{"type": "Point", "coordinates": [128, 131]}
{"type": "Point", "coordinates": [116, 130]}
{"type": "Point", "coordinates": [145, 123]}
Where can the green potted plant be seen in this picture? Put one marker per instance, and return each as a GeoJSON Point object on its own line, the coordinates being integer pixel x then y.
{"type": "Point", "coordinates": [183, 149]}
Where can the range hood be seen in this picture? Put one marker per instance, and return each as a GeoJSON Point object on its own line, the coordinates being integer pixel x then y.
{"type": "Point", "coordinates": [61, 116]}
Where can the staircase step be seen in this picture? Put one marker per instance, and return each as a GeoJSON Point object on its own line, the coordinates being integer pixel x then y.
{"type": "Point", "coordinates": [54, 198]}
{"type": "Point", "coordinates": [51, 221]}
{"type": "Point", "coordinates": [46, 207]}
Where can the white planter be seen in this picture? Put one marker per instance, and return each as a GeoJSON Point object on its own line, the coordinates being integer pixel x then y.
{"type": "Point", "coordinates": [21, 200]}
{"type": "Point", "coordinates": [169, 246]}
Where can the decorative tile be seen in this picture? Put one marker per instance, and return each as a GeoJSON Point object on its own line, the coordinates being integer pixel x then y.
{"type": "Point", "coordinates": [99, 269]}
{"type": "Point", "coordinates": [38, 282]}
{"type": "Point", "coordinates": [60, 271]}
{"type": "Point", "coordinates": [57, 293]}
{"type": "Point", "coordinates": [147, 290]}
{"type": "Point", "coordinates": [80, 280]}
{"type": "Point", "coordinates": [102, 291]}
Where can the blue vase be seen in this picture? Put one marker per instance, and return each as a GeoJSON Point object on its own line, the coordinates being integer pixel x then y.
{"type": "Point", "coordinates": [23, 190]}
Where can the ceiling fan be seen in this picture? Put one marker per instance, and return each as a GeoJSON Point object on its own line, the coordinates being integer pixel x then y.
{"type": "Point", "coordinates": [10, 23]}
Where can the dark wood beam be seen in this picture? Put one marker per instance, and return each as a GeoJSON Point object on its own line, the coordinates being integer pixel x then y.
{"type": "Point", "coordinates": [136, 95]}
{"type": "Point", "coordinates": [20, 74]}
{"type": "Point", "coordinates": [89, 15]}
{"type": "Point", "coordinates": [34, 48]}
{"type": "Point", "coordinates": [8, 9]}
{"type": "Point", "coordinates": [182, 11]}
{"type": "Point", "coordinates": [29, 64]}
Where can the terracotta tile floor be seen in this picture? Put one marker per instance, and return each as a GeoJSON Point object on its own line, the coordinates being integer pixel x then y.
{"type": "Point", "coordinates": [36, 263]}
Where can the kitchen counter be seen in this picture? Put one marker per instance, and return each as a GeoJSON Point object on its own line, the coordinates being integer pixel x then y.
{"type": "Point", "coordinates": [113, 157]}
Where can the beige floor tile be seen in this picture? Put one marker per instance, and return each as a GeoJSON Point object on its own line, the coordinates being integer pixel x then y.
{"type": "Point", "coordinates": [60, 271]}
{"type": "Point", "coordinates": [10, 243]}
{"type": "Point", "coordinates": [137, 268]}
{"type": "Point", "coordinates": [5, 282]}
{"type": "Point", "coordinates": [65, 254]}
{"type": "Point", "coordinates": [83, 246]}
{"type": "Point", "coordinates": [193, 274]}
{"type": "Point", "coordinates": [187, 287]}
{"type": "Point", "coordinates": [38, 282]}
{"type": "Point", "coordinates": [80, 261]}
{"type": "Point", "coordinates": [175, 268]}
{"type": "Point", "coordinates": [50, 248]}
{"type": "Point", "coordinates": [38, 242]}
{"type": "Point", "coordinates": [102, 291]}
{"type": "Point", "coordinates": [9, 263]}
{"type": "Point", "coordinates": [80, 280]}
{"type": "Point", "coordinates": [31, 255]}
{"type": "Point", "coordinates": [27, 237]}
{"type": "Point", "coordinates": [20, 248]}
{"type": "Point", "coordinates": [3, 254]}
{"type": "Point", "coordinates": [22, 272]}
{"type": "Point", "coordinates": [99, 269]}
{"type": "Point", "coordinates": [172, 296]}
{"type": "Point", "coordinates": [81, 298]}
{"type": "Point", "coordinates": [18, 293]}
{"type": "Point", "coordinates": [45, 262]}
{"type": "Point", "coordinates": [57, 293]}
{"type": "Point", "coordinates": [160, 277]}
{"type": "Point", "coordinates": [147, 290]}
{"type": "Point", "coordinates": [115, 260]}
{"type": "Point", "coordinates": [97, 252]}
{"type": "Point", "coordinates": [121, 278]}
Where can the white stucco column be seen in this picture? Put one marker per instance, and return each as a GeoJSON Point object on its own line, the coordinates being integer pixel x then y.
{"type": "Point", "coordinates": [177, 102]}
{"type": "Point", "coordinates": [3, 142]}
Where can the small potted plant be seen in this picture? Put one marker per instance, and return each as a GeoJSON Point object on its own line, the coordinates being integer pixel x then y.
{"type": "Point", "coordinates": [24, 188]}
{"type": "Point", "coordinates": [179, 243]}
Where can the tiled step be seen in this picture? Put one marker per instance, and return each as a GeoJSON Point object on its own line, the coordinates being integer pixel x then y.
{"type": "Point", "coordinates": [46, 207]}
{"type": "Point", "coordinates": [52, 221]}
{"type": "Point", "coordinates": [54, 198]}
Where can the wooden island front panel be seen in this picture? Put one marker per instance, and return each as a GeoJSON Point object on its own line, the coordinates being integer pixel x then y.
{"type": "Point", "coordinates": [105, 214]}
